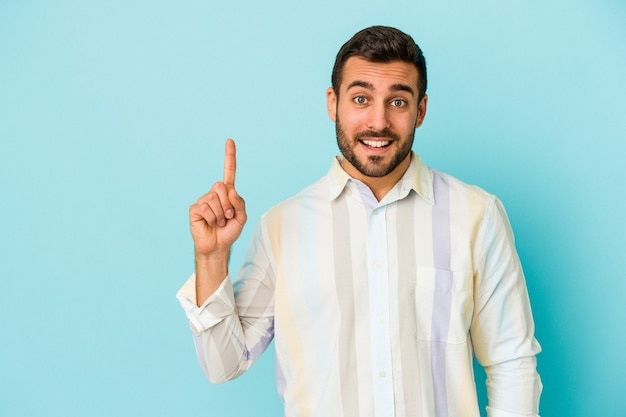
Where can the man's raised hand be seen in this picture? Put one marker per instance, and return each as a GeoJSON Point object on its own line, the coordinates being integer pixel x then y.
{"type": "Point", "coordinates": [218, 217]}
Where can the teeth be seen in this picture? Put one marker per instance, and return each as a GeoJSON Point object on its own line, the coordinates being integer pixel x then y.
{"type": "Point", "coordinates": [376, 143]}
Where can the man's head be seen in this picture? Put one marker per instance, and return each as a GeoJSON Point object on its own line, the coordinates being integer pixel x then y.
{"type": "Point", "coordinates": [381, 44]}
{"type": "Point", "coordinates": [377, 100]}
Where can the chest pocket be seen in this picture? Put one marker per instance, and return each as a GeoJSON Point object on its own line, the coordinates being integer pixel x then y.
{"type": "Point", "coordinates": [443, 305]}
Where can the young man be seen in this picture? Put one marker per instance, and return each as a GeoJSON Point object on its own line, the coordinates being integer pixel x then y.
{"type": "Point", "coordinates": [380, 282]}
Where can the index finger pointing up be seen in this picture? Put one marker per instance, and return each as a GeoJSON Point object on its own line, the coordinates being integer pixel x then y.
{"type": "Point", "coordinates": [230, 163]}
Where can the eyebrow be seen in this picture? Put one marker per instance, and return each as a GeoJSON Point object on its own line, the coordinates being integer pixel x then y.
{"type": "Point", "coordinates": [370, 86]}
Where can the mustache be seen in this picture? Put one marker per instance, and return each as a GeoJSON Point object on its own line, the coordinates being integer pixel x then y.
{"type": "Point", "coordinates": [385, 133]}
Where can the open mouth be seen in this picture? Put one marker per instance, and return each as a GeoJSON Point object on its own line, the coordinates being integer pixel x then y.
{"type": "Point", "coordinates": [376, 144]}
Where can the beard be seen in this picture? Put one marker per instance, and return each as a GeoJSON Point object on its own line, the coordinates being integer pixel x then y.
{"type": "Point", "coordinates": [374, 165]}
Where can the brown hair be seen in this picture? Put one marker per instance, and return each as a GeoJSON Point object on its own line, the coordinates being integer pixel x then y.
{"type": "Point", "coordinates": [381, 44]}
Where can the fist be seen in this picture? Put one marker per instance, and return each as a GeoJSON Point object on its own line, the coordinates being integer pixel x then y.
{"type": "Point", "coordinates": [218, 217]}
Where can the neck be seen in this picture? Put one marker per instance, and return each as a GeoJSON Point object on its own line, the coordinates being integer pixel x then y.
{"type": "Point", "coordinates": [380, 186]}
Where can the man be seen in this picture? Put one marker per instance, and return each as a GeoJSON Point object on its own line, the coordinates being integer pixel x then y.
{"type": "Point", "coordinates": [380, 282]}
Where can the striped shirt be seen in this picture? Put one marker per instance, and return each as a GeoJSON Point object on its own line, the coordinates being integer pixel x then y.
{"type": "Point", "coordinates": [378, 308]}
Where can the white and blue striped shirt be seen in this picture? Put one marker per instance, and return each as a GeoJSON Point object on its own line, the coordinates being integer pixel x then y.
{"type": "Point", "coordinates": [378, 308]}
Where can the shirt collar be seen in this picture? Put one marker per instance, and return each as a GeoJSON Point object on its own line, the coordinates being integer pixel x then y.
{"type": "Point", "coordinates": [417, 177]}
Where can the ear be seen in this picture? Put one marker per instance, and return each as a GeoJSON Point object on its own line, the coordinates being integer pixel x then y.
{"type": "Point", "coordinates": [331, 104]}
{"type": "Point", "coordinates": [421, 111]}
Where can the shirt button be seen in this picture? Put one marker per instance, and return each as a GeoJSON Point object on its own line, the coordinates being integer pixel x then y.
{"type": "Point", "coordinates": [377, 265]}
{"type": "Point", "coordinates": [375, 212]}
{"type": "Point", "coordinates": [382, 374]}
{"type": "Point", "coordinates": [379, 320]}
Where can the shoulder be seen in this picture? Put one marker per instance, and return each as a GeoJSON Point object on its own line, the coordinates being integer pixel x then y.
{"type": "Point", "coordinates": [312, 195]}
{"type": "Point", "coordinates": [459, 188]}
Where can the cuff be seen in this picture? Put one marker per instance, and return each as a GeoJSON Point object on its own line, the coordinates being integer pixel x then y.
{"type": "Point", "coordinates": [216, 308]}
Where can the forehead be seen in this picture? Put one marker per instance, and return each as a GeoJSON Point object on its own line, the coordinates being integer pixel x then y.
{"type": "Point", "coordinates": [380, 74]}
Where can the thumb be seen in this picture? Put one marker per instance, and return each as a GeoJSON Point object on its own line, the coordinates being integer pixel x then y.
{"type": "Point", "coordinates": [238, 203]}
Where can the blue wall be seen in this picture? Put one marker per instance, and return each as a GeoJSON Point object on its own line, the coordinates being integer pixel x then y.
{"type": "Point", "coordinates": [112, 121]}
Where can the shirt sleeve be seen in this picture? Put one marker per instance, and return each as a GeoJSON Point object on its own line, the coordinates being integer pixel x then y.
{"type": "Point", "coordinates": [502, 329]}
{"type": "Point", "coordinates": [236, 323]}
{"type": "Point", "coordinates": [216, 308]}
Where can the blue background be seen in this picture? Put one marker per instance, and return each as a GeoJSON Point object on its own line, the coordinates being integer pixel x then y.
{"type": "Point", "coordinates": [113, 116]}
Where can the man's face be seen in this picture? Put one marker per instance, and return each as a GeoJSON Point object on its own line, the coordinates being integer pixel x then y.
{"type": "Point", "coordinates": [376, 112]}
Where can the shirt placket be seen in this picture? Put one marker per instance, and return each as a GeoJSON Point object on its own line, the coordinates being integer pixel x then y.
{"type": "Point", "coordinates": [379, 312]}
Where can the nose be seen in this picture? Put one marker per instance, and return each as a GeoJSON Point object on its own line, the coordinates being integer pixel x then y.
{"type": "Point", "coordinates": [378, 118]}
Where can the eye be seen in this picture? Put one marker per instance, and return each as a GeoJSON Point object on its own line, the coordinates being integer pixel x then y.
{"type": "Point", "coordinates": [398, 102]}
{"type": "Point", "coordinates": [360, 100]}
